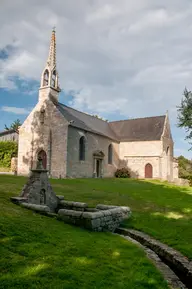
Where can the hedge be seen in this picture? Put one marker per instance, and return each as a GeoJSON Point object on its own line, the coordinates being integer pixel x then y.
{"type": "Point", "coordinates": [8, 149]}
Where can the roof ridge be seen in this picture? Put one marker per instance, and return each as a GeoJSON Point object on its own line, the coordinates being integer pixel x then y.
{"type": "Point", "coordinates": [7, 131]}
{"type": "Point", "coordinates": [82, 112]}
{"type": "Point", "coordinates": [147, 117]}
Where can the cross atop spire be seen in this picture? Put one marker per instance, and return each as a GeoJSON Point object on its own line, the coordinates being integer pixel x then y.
{"type": "Point", "coordinates": [51, 61]}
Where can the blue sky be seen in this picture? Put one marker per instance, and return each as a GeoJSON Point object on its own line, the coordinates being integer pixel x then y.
{"type": "Point", "coordinates": [119, 60]}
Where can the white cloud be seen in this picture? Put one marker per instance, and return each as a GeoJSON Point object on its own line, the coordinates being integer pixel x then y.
{"type": "Point", "coordinates": [127, 57]}
{"type": "Point", "coordinates": [104, 12]}
{"type": "Point", "coordinates": [16, 110]}
{"type": "Point", "coordinates": [158, 18]}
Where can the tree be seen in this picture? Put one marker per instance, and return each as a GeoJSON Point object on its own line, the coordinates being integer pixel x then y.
{"type": "Point", "coordinates": [15, 126]}
{"type": "Point", "coordinates": [185, 114]}
{"type": "Point", "coordinates": [185, 167]}
{"type": "Point", "coordinates": [97, 116]}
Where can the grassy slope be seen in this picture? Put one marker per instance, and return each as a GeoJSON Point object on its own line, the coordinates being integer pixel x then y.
{"type": "Point", "coordinates": [159, 209]}
{"type": "Point", "coordinates": [40, 252]}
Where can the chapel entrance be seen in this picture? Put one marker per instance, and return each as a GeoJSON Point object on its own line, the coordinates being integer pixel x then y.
{"type": "Point", "coordinates": [43, 156]}
{"type": "Point", "coordinates": [98, 164]}
{"type": "Point", "coordinates": [148, 171]}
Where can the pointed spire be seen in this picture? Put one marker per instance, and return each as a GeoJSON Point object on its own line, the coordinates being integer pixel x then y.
{"type": "Point", "coordinates": [51, 61]}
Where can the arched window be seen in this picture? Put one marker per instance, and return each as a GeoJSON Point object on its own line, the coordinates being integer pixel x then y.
{"type": "Point", "coordinates": [167, 151]}
{"type": "Point", "coordinates": [82, 148]}
{"type": "Point", "coordinates": [46, 78]}
{"type": "Point", "coordinates": [53, 79]}
{"type": "Point", "coordinates": [110, 154]}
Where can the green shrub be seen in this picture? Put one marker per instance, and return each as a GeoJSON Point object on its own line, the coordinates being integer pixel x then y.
{"type": "Point", "coordinates": [8, 149]}
{"type": "Point", "coordinates": [190, 180]}
{"type": "Point", "coordinates": [122, 173]}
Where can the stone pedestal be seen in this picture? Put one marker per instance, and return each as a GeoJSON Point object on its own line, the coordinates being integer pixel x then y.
{"type": "Point", "coordinates": [38, 190]}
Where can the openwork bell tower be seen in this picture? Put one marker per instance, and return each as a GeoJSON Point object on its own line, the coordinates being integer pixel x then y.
{"type": "Point", "coordinates": [49, 79]}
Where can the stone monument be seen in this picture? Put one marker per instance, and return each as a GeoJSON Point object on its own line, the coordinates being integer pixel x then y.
{"type": "Point", "coordinates": [38, 191]}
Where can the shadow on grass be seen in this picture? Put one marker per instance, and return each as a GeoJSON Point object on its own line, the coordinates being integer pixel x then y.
{"type": "Point", "coordinates": [39, 252]}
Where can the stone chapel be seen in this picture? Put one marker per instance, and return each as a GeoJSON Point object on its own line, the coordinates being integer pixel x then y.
{"type": "Point", "coordinates": [74, 144]}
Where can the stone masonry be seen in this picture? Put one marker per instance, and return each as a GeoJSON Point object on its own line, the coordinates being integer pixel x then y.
{"type": "Point", "coordinates": [37, 193]}
{"type": "Point", "coordinates": [102, 218]}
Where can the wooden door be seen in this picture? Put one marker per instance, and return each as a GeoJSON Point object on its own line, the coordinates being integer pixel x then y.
{"type": "Point", "coordinates": [148, 171]}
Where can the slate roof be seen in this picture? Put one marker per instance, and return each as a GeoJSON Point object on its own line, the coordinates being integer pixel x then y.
{"type": "Point", "coordinates": [139, 129]}
{"type": "Point", "coordinates": [86, 122]}
{"type": "Point", "coordinates": [5, 132]}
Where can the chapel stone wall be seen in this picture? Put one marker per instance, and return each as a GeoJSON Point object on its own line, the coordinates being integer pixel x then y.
{"type": "Point", "coordinates": [44, 129]}
{"type": "Point", "coordinates": [94, 142]}
{"type": "Point", "coordinates": [136, 155]}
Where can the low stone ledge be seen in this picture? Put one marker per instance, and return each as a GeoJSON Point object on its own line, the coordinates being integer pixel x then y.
{"type": "Point", "coordinates": [100, 220]}
{"type": "Point", "coordinates": [179, 262]}
{"type": "Point", "coordinates": [172, 279]}
{"type": "Point", "coordinates": [105, 207]}
{"type": "Point", "coordinates": [38, 208]}
{"type": "Point", "coordinates": [92, 215]}
{"type": "Point", "coordinates": [91, 210]}
{"type": "Point", "coordinates": [60, 197]}
{"type": "Point", "coordinates": [64, 212]}
{"type": "Point", "coordinates": [18, 200]}
{"type": "Point", "coordinates": [73, 205]}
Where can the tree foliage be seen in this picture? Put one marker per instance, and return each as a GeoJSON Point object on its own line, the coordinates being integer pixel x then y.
{"type": "Point", "coordinates": [15, 126]}
{"type": "Point", "coordinates": [185, 167]}
{"type": "Point", "coordinates": [97, 116]}
{"type": "Point", "coordinates": [185, 114]}
{"type": "Point", "coordinates": [8, 149]}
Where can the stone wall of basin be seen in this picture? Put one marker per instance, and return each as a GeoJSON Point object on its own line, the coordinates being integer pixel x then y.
{"type": "Point", "coordinates": [106, 219]}
{"type": "Point", "coordinates": [101, 218]}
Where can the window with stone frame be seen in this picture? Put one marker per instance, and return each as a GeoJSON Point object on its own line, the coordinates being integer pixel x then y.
{"type": "Point", "coordinates": [82, 148]}
{"type": "Point", "coordinates": [46, 78]}
{"type": "Point", "coordinates": [110, 154]}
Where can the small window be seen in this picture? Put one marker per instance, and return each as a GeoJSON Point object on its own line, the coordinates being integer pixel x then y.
{"type": "Point", "coordinates": [53, 80]}
{"type": "Point", "coordinates": [167, 152]}
{"type": "Point", "coordinates": [42, 115]}
{"type": "Point", "coordinates": [82, 148]}
{"type": "Point", "coordinates": [110, 154]}
{"type": "Point", "coordinates": [46, 78]}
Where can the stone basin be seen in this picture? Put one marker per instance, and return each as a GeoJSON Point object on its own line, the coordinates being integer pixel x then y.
{"type": "Point", "coordinates": [101, 218]}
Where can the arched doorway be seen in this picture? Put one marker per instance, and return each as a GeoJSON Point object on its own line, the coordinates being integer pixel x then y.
{"type": "Point", "coordinates": [43, 155]}
{"type": "Point", "coordinates": [148, 171]}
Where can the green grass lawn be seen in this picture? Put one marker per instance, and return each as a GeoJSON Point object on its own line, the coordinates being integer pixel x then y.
{"type": "Point", "coordinates": [40, 252]}
{"type": "Point", "coordinates": [161, 210]}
